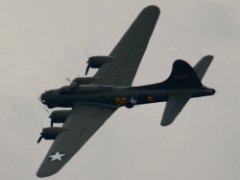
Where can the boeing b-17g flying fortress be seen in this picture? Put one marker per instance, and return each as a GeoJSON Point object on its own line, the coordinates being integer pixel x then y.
{"type": "Point", "coordinates": [94, 99]}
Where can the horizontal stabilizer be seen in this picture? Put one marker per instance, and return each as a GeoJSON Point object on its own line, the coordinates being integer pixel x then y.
{"type": "Point", "coordinates": [202, 66]}
{"type": "Point", "coordinates": [174, 105]}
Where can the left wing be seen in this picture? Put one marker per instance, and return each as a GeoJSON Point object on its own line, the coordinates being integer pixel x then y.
{"type": "Point", "coordinates": [79, 127]}
{"type": "Point", "coordinates": [129, 50]}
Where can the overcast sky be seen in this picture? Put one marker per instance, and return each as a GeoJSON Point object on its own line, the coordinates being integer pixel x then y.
{"type": "Point", "coordinates": [44, 41]}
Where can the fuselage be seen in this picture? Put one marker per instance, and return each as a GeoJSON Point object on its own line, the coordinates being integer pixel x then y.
{"type": "Point", "coordinates": [114, 96]}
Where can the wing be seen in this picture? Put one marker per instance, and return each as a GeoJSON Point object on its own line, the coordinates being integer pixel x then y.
{"type": "Point", "coordinates": [174, 105]}
{"type": "Point", "coordinates": [79, 127]}
{"type": "Point", "coordinates": [129, 50]}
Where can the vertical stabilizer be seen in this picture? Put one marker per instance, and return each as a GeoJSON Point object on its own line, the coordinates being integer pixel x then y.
{"type": "Point", "coordinates": [183, 76]}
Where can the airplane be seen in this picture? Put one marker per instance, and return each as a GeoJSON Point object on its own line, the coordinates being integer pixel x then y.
{"type": "Point", "coordinates": [94, 99]}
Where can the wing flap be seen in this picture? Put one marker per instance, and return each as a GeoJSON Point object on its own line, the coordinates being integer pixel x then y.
{"type": "Point", "coordinates": [175, 104]}
{"type": "Point", "coordinates": [79, 127]}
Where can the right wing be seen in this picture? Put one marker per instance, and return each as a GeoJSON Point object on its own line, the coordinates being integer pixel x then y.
{"type": "Point", "coordinates": [79, 127]}
{"type": "Point", "coordinates": [129, 50]}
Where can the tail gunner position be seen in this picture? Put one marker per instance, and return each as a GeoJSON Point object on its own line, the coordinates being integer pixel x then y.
{"type": "Point", "coordinates": [94, 99]}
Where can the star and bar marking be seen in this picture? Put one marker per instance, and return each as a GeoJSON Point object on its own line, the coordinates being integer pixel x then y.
{"type": "Point", "coordinates": [56, 157]}
{"type": "Point", "coordinates": [133, 101]}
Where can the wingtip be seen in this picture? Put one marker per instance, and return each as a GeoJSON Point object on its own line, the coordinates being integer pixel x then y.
{"type": "Point", "coordinates": [40, 175]}
{"type": "Point", "coordinates": [43, 175]}
{"type": "Point", "coordinates": [152, 9]}
{"type": "Point", "coordinates": [43, 172]}
{"type": "Point", "coordinates": [210, 57]}
{"type": "Point", "coordinates": [164, 124]}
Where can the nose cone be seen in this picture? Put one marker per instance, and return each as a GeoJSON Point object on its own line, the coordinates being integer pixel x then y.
{"type": "Point", "coordinates": [43, 98]}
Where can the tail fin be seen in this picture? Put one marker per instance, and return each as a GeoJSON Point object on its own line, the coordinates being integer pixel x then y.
{"type": "Point", "coordinates": [185, 80]}
{"type": "Point", "coordinates": [182, 76]}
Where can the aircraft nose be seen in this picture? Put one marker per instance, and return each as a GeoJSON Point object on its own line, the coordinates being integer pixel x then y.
{"type": "Point", "coordinates": [42, 98]}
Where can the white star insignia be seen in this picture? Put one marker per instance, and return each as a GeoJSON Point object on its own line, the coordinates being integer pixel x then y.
{"type": "Point", "coordinates": [56, 156]}
{"type": "Point", "coordinates": [133, 101]}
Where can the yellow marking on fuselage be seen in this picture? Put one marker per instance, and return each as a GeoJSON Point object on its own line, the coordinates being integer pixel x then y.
{"type": "Point", "coordinates": [121, 101]}
{"type": "Point", "coordinates": [150, 99]}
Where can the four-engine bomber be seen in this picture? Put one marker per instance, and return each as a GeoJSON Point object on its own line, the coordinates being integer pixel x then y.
{"type": "Point", "coordinates": [92, 100]}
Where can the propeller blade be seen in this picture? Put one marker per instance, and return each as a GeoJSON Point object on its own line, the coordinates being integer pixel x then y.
{"type": "Point", "coordinates": [39, 139]}
{"type": "Point", "coordinates": [69, 80]}
{"type": "Point", "coordinates": [88, 67]}
{"type": "Point", "coordinates": [46, 109]}
{"type": "Point", "coordinates": [51, 123]}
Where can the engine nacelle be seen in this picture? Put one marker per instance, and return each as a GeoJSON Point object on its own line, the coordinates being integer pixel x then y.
{"type": "Point", "coordinates": [97, 62]}
{"type": "Point", "coordinates": [59, 116]}
{"type": "Point", "coordinates": [51, 132]}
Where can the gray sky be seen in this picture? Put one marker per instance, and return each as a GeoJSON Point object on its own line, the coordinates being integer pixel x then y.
{"type": "Point", "coordinates": [42, 42]}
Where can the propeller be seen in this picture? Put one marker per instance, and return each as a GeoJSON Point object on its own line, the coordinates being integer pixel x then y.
{"type": "Point", "coordinates": [69, 80]}
{"type": "Point", "coordinates": [46, 109]}
{"type": "Point", "coordinates": [52, 123]}
{"type": "Point", "coordinates": [41, 134]}
{"type": "Point", "coordinates": [87, 69]}
{"type": "Point", "coordinates": [40, 138]}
